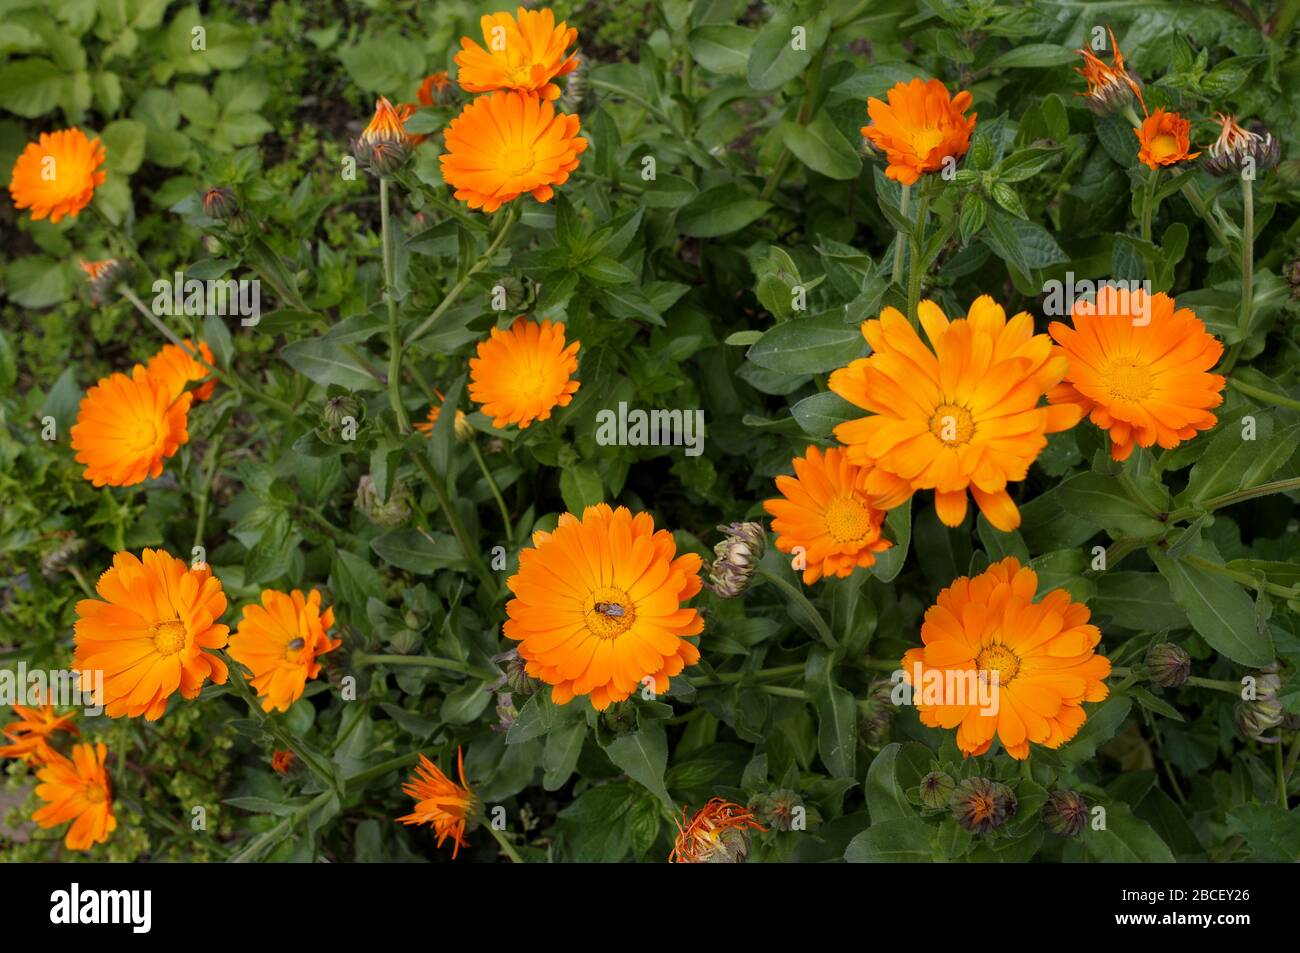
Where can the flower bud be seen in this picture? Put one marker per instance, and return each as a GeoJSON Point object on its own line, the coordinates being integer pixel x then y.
{"type": "Point", "coordinates": [877, 714]}
{"type": "Point", "coordinates": [506, 712]}
{"type": "Point", "coordinates": [574, 88]}
{"type": "Point", "coordinates": [1168, 665]}
{"type": "Point", "coordinates": [339, 419]}
{"type": "Point", "coordinates": [981, 805]}
{"type": "Point", "coordinates": [220, 203]}
{"type": "Point", "coordinates": [737, 558]}
{"type": "Point", "coordinates": [1259, 714]}
{"type": "Point", "coordinates": [389, 513]}
{"type": "Point", "coordinates": [1065, 813]}
{"type": "Point", "coordinates": [104, 276]}
{"type": "Point", "coordinates": [283, 761]}
{"type": "Point", "coordinates": [1237, 147]}
{"type": "Point", "coordinates": [406, 642]}
{"type": "Point", "coordinates": [516, 674]}
{"type": "Point", "coordinates": [384, 145]}
{"type": "Point", "coordinates": [779, 809]}
{"type": "Point", "coordinates": [619, 717]}
{"type": "Point", "coordinates": [937, 789]}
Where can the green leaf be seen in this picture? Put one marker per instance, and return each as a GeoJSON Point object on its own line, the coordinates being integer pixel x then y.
{"type": "Point", "coordinates": [1219, 609]}
{"type": "Point", "coordinates": [722, 48]}
{"type": "Point", "coordinates": [643, 755]}
{"type": "Point", "coordinates": [666, 190]}
{"type": "Point", "coordinates": [581, 487]}
{"type": "Point", "coordinates": [819, 414]}
{"type": "Point", "coordinates": [30, 87]}
{"type": "Point", "coordinates": [1103, 722]}
{"type": "Point", "coordinates": [774, 59]}
{"type": "Point", "coordinates": [1125, 839]}
{"type": "Point", "coordinates": [810, 345]}
{"type": "Point", "coordinates": [894, 770]}
{"type": "Point", "coordinates": [417, 552]}
{"type": "Point", "coordinates": [560, 755]}
{"type": "Point", "coordinates": [822, 147]}
{"type": "Point", "coordinates": [1230, 462]}
{"type": "Point", "coordinates": [720, 210]}
{"type": "Point", "coordinates": [36, 281]}
{"type": "Point", "coordinates": [442, 439]}
{"type": "Point", "coordinates": [837, 720]}
{"type": "Point", "coordinates": [325, 363]}
{"type": "Point", "coordinates": [1137, 600]}
{"type": "Point", "coordinates": [1032, 55]}
{"type": "Point", "coordinates": [1101, 500]}
{"type": "Point", "coordinates": [904, 840]}
{"type": "Point", "coordinates": [1025, 245]}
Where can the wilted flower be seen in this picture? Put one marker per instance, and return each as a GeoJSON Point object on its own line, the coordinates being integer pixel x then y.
{"type": "Point", "coordinates": [717, 834]}
{"type": "Point", "coordinates": [104, 276]}
{"type": "Point", "coordinates": [1065, 813]}
{"type": "Point", "coordinates": [388, 513]}
{"type": "Point", "coordinates": [440, 802]}
{"type": "Point", "coordinates": [1257, 715]}
{"type": "Point", "coordinates": [780, 808]}
{"type": "Point", "coordinates": [1168, 665]}
{"type": "Point", "coordinates": [737, 558]}
{"type": "Point", "coordinates": [220, 203]}
{"type": "Point", "coordinates": [1236, 146]}
{"type": "Point", "coordinates": [981, 805]}
{"type": "Point", "coordinates": [506, 712]}
{"type": "Point", "coordinates": [574, 89]}
{"type": "Point", "coordinates": [937, 789]}
{"type": "Point", "coordinates": [1110, 88]}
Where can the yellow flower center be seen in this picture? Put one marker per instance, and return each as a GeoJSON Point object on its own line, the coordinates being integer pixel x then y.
{"type": "Point", "coordinates": [517, 162]}
{"type": "Point", "coordinates": [96, 794]}
{"type": "Point", "coordinates": [1127, 379]}
{"type": "Point", "coordinates": [924, 140]}
{"type": "Point", "coordinates": [609, 612]}
{"type": "Point", "coordinates": [952, 425]}
{"type": "Point", "coordinates": [1164, 145]}
{"type": "Point", "coordinates": [169, 637]}
{"type": "Point", "coordinates": [1000, 659]}
{"type": "Point", "coordinates": [848, 520]}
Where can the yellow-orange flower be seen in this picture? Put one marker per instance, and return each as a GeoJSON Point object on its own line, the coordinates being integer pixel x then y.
{"type": "Point", "coordinates": [387, 125]}
{"type": "Point", "coordinates": [176, 368]}
{"type": "Point", "coordinates": [920, 127]}
{"type": "Point", "coordinates": [523, 54]}
{"type": "Point", "coordinates": [29, 736]}
{"type": "Point", "coordinates": [464, 429]}
{"type": "Point", "coordinates": [433, 88]}
{"type": "Point", "coordinates": [1164, 139]}
{"type": "Point", "coordinates": [282, 761]}
{"type": "Point", "coordinates": [148, 634]}
{"type": "Point", "coordinates": [57, 175]}
{"type": "Point", "coordinates": [77, 790]}
{"type": "Point", "coordinates": [280, 641]}
{"type": "Point", "coordinates": [440, 802]}
{"type": "Point", "coordinates": [1139, 368]}
{"type": "Point", "coordinates": [1109, 87]}
{"type": "Point", "coordinates": [126, 427]}
{"type": "Point", "coordinates": [1043, 655]}
{"type": "Point", "coordinates": [824, 510]}
{"type": "Point", "coordinates": [718, 833]}
{"type": "Point", "coordinates": [505, 144]}
{"type": "Point", "coordinates": [521, 374]}
{"type": "Point", "coordinates": [964, 415]}
{"type": "Point", "coordinates": [598, 606]}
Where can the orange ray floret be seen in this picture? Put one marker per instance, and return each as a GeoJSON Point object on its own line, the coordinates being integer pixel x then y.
{"type": "Point", "coordinates": [126, 427]}
{"type": "Point", "coordinates": [149, 633]}
{"type": "Point", "coordinates": [77, 790]}
{"type": "Point", "coordinates": [825, 510]}
{"type": "Point", "coordinates": [1139, 368]}
{"type": "Point", "coordinates": [717, 832]}
{"type": "Point", "coordinates": [962, 414]}
{"type": "Point", "coordinates": [282, 761]}
{"type": "Point", "coordinates": [1109, 87]}
{"type": "Point", "coordinates": [920, 127]}
{"type": "Point", "coordinates": [524, 52]}
{"type": "Point", "coordinates": [1164, 139]}
{"type": "Point", "coordinates": [280, 642]}
{"type": "Point", "coordinates": [29, 736]}
{"type": "Point", "coordinates": [505, 144]}
{"type": "Point", "coordinates": [440, 802]}
{"type": "Point", "coordinates": [433, 88]}
{"type": "Point", "coordinates": [1043, 654]}
{"type": "Point", "coordinates": [598, 606]}
{"type": "Point", "coordinates": [57, 175]}
{"type": "Point", "coordinates": [521, 374]}
{"type": "Point", "coordinates": [176, 368]}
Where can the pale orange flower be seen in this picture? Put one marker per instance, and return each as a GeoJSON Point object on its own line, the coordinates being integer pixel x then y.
{"type": "Point", "coordinates": [464, 429]}
{"type": "Point", "coordinates": [920, 127]}
{"type": "Point", "coordinates": [126, 427]}
{"type": "Point", "coordinates": [176, 368]}
{"type": "Point", "coordinates": [77, 790]}
{"type": "Point", "coordinates": [1164, 139]}
{"type": "Point", "coordinates": [1111, 87]}
{"type": "Point", "coordinates": [30, 735]}
{"type": "Point", "coordinates": [717, 833]}
{"type": "Point", "coordinates": [521, 374]}
{"type": "Point", "coordinates": [440, 802]}
{"type": "Point", "coordinates": [433, 88]}
{"type": "Point", "coordinates": [280, 641]}
{"type": "Point", "coordinates": [57, 175]}
{"type": "Point", "coordinates": [524, 52]}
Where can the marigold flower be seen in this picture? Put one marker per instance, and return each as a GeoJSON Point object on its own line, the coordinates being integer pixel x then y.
{"type": "Point", "coordinates": [981, 804]}
{"type": "Point", "coordinates": [505, 144]}
{"type": "Point", "coordinates": [126, 427]}
{"type": "Point", "coordinates": [523, 373]}
{"type": "Point", "coordinates": [102, 276]}
{"type": "Point", "coordinates": [57, 175]}
{"type": "Point", "coordinates": [717, 834]}
{"type": "Point", "coordinates": [282, 761]}
{"type": "Point", "coordinates": [920, 127]}
{"type": "Point", "coordinates": [30, 735]}
{"type": "Point", "coordinates": [463, 428]}
{"type": "Point", "coordinates": [1236, 147]}
{"type": "Point", "coordinates": [736, 558]}
{"type": "Point", "coordinates": [77, 790]}
{"type": "Point", "coordinates": [964, 415]}
{"type": "Point", "coordinates": [434, 88]}
{"type": "Point", "coordinates": [149, 633]}
{"type": "Point", "coordinates": [175, 367]}
{"type": "Point", "coordinates": [1139, 369]}
{"type": "Point", "coordinates": [1110, 88]}
{"type": "Point", "coordinates": [524, 52]}
{"type": "Point", "coordinates": [440, 802]}
{"type": "Point", "coordinates": [825, 510]}
{"type": "Point", "coordinates": [280, 641]}
{"type": "Point", "coordinates": [385, 144]}
{"type": "Point", "coordinates": [1065, 813]}
{"type": "Point", "coordinates": [598, 606]}
{"type": "Point", "coordinates": [1168, 665]}
{"type": "Point", "coordinates": [1164, 139]}
{"type": "Point", "coordinates": [1043, 654]}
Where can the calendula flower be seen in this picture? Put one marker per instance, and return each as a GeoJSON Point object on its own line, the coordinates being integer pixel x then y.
{"type": "Point", "coordinates": [280, 641]}
{"type": "Point", "coordinates": [599, 606]}
{"type": "Point", "coordinates": [717, 834]}
{"type": "Point", "coordinates": [282, 761]}
{"type": "Point", "coordinates": [825, 511]}
{"type": "Point", "coordinates": [440, 802]}
{"type": "Point", "coordinates": [148, 632]}
{"type": "Point", "coordinates": [126, 427]}
{"type": "Point", "coordinates": [524, 52]}
{"type": "Point", "coordinates": [385, 144]}
{"type": "Point", "coordinates": [1164, 139]}
{"type": "Point", "coordinates": [1110, 88]}
{"type": "Point", "coordinates": [920, 127]}
{"type": "Point", "coordinates": [505, 144]}
{"type": "Point", "coordinates": [1236, 148]}
{"type": "Point", "coordinates": [102, 276]}
{"type": "Point", "coordinates": [176, 368]}
{"type": "Point", "coordinates": [1139, 368]}
{"type": "Point", "coordinates": [521, 374]}
{"type": "Point", "coordinates": [29, 736]}
{"type": "Point", "coordinates": [219, 202]}
{"type": "Point", "coordinates": [57, 175]}
{"type": "Point", "coordinates": [981, 804]}
{"type": "Point", "coordinates": [963, 416]}
{"type": "Point", "coordinates": [464, 429]}
{"type": "Point", "coordinates": [1042, 654]}
{"type": "Point", "coordinates": [77, 790]}
{"type": "Point", "coordinates": [434, 88]}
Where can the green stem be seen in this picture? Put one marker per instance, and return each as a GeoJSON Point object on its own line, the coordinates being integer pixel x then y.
{"type": "Point", "coordinates": [425, 661]}
{"type": "Point", "coordinates": [1280, 766]}
{"type": "Point", "coordinates": [1267, 396]}
{"type": "Point", "coordinates": [394, 327]}
{"type": "Point", "coordinates": [1242, 578]}
{"type": "Point", "coordinates": [1237, 496]}
{"type": "Point", "coordinates": [1194, 199]}
{"type": "Point", "coordinates": [727, 678]}
{"type": "Point", "coordinates": [457, 527]}
{"type": "Point", "coordinates": [209, 475]}
{"type": "Point", "coordinates": [506, 847]}
{"type": "Point", "coordinates": [496, 492]}
{"type": "Point", "coordinates": [1148, 203]}
{"type": "Point", "coordinates": [1232, 688]}
{"type": "Point", "coordinates": [253, 849]}
{"type": "Point", "coordinates": [900, 241]}
{"type": "Point", "coordinates": [915, 265]}
{"type": "Point", "coordinates": [1247, 271]}
{"type": "Point", "coordinates": [379, 770]}
{"type": "Point", "coordinates": [1292, 756]}
{"type": "Point", "coordinates": [823, 630]}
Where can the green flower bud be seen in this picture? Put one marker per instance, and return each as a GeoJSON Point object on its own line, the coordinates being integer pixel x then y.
{"type": "Point", "coordinates": [1168, 665]}
{"type": "Point", "coordinates": [1065, 813]}
{"type": "Point", "coordinates": [737, 558]}
{"type": "Point", "coordinates": [389, 513]}
{"type": "Point", "coordinates": [340, 420]}
{"type": "Point", "coordinates": [877, 714]}
{"type": "Point", "coordinates": [406, 642]}
{"type": "Point", "coordinates": [937, 789]}
{"type": "Point", "coordinates": [780, 809]}
{"type": "Point", "coordinates": [981, 805]}
{"type": "Point", "coordinates": [1257, 715]}
{"type": "Point", "coordinates": [220, 203]}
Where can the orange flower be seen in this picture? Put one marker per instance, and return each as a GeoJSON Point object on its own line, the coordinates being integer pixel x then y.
{"type": "Point", "coordinates": [1110, 88]}
{"type": "Point", "coordinates": [718, 833]}
{"type": "Point", "coordinates": [127, 426]}
{"type": "Point", "coordinates": [440, 802]}
{"type": "Point", "coordinates": [598, 606]}
{"type": "Point", "coordinates": [505, 144]}
{"type": "Point", "coordinates": [387, 126]}
{"type": "Point", "coordinates": [824, 510]}
{"type": "Point", "coordinates": [433, 88]}
{"type": "Point", "coordinates": [77, 790]}
{"type": "Point", "coordinates": [282, 762]}
{"type": "Point", "coordinates": [919, 128]}
{"type": "Point", "coordinates": [522, 374]}
{"type": "Point", "coordinates": [280, 641]}
{"type": "Point", "coordinates": [1165, 138]}
{"type": "Point", "coordinates": [464, 429]}
{"type": "Point", "coordinates": [30, 734]}
{"type": "Point", "coordinates": [57, 176]}
{"type": "Point", "coordinates": [102, 276]}
{"type": "Point", "coordinates": [1042, 653]}
{"type": "Point", "coordinates": [524, 54]}
{"type": "Point", "coordinates": [149, 633]}
{"type": "Point", "coordinates": [175, 368]}
{"type": "Point", "coordinates": [1139, 369]}
{"type": "Point", "coordinates": [964, 415]}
